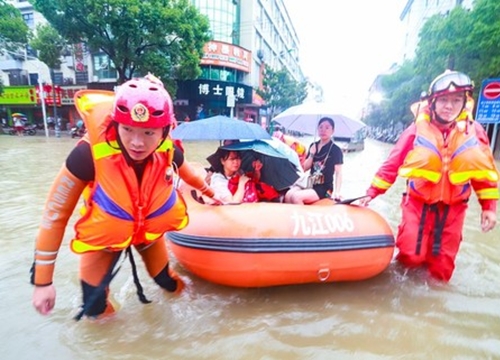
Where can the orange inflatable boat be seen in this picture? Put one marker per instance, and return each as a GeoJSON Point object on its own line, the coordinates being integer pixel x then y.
{"type": "Point", "coordinates": [270, 244]}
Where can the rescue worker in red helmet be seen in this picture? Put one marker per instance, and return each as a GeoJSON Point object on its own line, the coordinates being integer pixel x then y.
{"type": "Point", "coordinates": [124, 168]}
{"type": "Point", "coordinates": [444, 155]}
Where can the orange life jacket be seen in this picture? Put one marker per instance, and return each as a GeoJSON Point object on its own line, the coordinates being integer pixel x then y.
{"type": "Point", "coordinates": [118, 211]}
{"type": "Point", "coordinates": [439, 169]}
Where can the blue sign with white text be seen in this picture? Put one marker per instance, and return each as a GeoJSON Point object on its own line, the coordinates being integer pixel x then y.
{"type": "Point", "coordinates": [488, 105]}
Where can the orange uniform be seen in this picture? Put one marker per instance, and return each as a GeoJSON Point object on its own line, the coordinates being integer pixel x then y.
{"type": "Point", "coordinates": [441, 168]}
{"type": "Point", "coordinates": [123, 206]}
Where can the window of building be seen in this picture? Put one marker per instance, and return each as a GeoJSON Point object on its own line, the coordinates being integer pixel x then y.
{"type": "Point", "coordinates": [223, 17]}
{"type": "Point", "coordinates": [103, 67]}
{"type": "Point", "coordinates": [219, 73]}
{"type": "Point", "coordinates": [29, 20]}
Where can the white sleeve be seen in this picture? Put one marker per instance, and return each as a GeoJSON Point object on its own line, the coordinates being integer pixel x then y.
{"type": "Point", "coordinates": [219, 184]}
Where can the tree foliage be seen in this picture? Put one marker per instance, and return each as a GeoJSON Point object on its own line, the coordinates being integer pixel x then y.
{"type": "Point", "coordinates": [49, 45]}
{"type": "Point", "coordinates": [165, 37]}
{"type": "Point", "coordinates": [466, 41]}
{"type": "Point", "coordinates": [14, 33]}
{"type": "Point", "coordinates": [280, 90]}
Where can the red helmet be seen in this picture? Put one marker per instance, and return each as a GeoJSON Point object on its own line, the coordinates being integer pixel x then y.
{"type": "Point", "coordinates": [450, 82]}
{"type": "Point", "coordinates": [143, 102]}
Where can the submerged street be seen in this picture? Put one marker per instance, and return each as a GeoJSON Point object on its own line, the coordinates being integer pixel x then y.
{"type": "Point", "coordinates": [394, 315]}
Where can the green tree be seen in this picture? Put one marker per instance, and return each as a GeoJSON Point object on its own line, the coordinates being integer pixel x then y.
{"type": "Point", "coordinates": [484, 40]}
{"type": "Point", "coordinates": [280, 90]}
{"type": "Point", "coordinates": [14, 33]}
{"type": "Point", "coordinates": [49, 44]}
{"type": "Point", "coordinates": [462, 40]}
{"type": "Point", "coordinates": [165, 37]}
{"type": "Point", "coordinates": [444, 44]}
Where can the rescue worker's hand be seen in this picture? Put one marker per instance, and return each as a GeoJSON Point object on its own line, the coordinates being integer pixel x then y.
{"type": "Point", "coordinates": [44, 299]}
{"type": "Point", "coordinates": [216, 200]}
{"type": "Point", "coordinates": [488, 220]}
{"type": "Point", "coordinates": [365, 201]}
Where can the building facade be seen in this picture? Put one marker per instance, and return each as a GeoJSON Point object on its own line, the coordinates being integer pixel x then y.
{"type": "Point", "coordinates": [416, 13]}
{"type": "Point", "coordinates": [246, 36]}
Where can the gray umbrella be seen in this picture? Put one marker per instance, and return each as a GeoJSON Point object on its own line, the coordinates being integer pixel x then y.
{"type": "Point", "coordinates": [305, 118]}
{"type": "Point", "coordinates": [219, 128]}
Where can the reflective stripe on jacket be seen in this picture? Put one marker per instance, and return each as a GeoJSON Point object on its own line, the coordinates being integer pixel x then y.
{"type": "Point", "coordinates": [119, 211]}
{"type": "Point", "coordinates": [440, 169]}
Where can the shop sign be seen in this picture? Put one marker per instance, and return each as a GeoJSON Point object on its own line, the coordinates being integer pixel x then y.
{"type": "Point", "coordinates": [48, 95]}
{"type": "Point", "coordinates": [201, 91]}
{"type": "Point", "coordinates": [68, 94]}
{"type": "Point", "coordinates": [18, 95]}
{"type": "Point", "coordinates": [228, 55]}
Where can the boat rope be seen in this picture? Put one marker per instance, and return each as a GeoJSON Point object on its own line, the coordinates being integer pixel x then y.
{"type": "Point", "coordinates": [107, 280]}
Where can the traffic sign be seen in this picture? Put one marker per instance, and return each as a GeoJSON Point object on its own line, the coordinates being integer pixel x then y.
{"type": "Point", "coordinates": [488, 105]}
{"type": "Point", "coordinates": [492, 90]}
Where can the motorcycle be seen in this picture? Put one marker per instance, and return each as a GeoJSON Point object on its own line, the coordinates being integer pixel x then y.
{"type": "Point", "coordinates": [77, 132]}
{"type": "Point", "coordinates": [27, 130]}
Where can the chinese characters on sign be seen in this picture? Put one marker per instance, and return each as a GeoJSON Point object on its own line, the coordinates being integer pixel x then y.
{"type": "Point", "coordinates": [18, 95]}
{"type": "Point", "coordinates": [488, 106]}
{"type": "Point", "coordinates": [79, 51]}
{"type": "Point", "coordinates": [68, 94]}
{"type": "Point", "coordinates": [228, 55]}
{"type": "Point", "coordinates": [204, 91]}
{"type": "Point", "coordinates": [48, 95]}
{"type": "Point", "coordinates": [218, 90]}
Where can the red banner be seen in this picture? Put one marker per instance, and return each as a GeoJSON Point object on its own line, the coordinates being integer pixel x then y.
{"type": "Point", "coordinates": [228, 55]}
{"type": "Point", "coordinates": [48, 95]}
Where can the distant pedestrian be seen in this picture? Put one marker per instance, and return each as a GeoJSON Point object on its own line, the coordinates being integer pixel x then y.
{"type": "Point", "coordinates": [18, 125]}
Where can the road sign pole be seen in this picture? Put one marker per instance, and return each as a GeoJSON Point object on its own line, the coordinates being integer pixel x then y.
{"type": "Point", "coordinates": [494, 137]}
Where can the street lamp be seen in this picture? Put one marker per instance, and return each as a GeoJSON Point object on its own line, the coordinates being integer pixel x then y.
{"type": "Point", "coordinates": [41, 90]}
{"type": "Point", "coordinates": [42, 101]}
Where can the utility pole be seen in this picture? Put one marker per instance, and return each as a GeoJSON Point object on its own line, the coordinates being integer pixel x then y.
{"type": "Point", "coordinates": [56, 121]}
{"type": "Point", "coordinates": [41, 91]}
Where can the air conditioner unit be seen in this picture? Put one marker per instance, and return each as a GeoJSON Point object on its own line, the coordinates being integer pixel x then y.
{"type": "Point", "coordinates": [260, 54]}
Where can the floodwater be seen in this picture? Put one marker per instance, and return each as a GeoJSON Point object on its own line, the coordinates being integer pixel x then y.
{"type": "Point", "coordinates": [395, 315]}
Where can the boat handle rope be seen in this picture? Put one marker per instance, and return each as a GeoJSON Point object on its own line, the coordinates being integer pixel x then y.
{"type": "Point", "coordinates": [349, 201]}
{"type": "Point", "coordinates": [323, 274]}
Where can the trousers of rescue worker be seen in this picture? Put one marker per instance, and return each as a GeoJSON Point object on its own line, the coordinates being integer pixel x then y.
{"type": "Point", "coordinates": [430, 235]}
{"type": "Point", "coordinates": [95, 265]}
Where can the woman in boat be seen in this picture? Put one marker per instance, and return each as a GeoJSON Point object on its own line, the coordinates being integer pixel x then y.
{"type": "Point", "coordinates": [229, 182]}
{"type": "Point", "coordinates": [324, 160]}
{"type": "Point", "coordinates": [232, 186]}
{"type": "Point", "coordinates": [124, 167]}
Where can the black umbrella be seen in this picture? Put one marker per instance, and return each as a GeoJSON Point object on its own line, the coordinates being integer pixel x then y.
{"type": "Point", "coordinates": [279, 163]}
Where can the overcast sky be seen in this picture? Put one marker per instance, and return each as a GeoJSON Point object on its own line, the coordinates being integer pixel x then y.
{"type": "Point", "coordinates": [345, 44]}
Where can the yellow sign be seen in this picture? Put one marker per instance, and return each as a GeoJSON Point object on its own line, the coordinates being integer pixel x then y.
{"type": "Point", "coordinates": [18, 95]}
